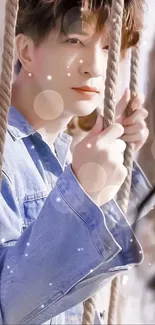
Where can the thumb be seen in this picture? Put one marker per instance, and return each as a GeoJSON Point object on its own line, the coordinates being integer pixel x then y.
{"type": "Point", "coordinates": [98, 127]}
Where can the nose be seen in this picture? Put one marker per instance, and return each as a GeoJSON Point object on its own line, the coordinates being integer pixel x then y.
{"type": "Point", "coordinates": [92, 64]}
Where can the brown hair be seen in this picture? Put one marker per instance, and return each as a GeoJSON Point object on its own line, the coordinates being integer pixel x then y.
{"type": "Point", "coordinates": [36, 18]}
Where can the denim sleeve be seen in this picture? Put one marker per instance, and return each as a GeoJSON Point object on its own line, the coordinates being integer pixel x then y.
{"type": "Point", "coordinates": [60, 259]}
{"type": "Point", "coordinates": [139, 190]}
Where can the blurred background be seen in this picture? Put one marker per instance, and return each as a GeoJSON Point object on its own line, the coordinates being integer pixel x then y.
{"type": "Point", "coordinates": [137, 300]}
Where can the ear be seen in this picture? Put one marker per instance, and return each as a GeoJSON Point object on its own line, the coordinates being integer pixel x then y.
{"type": "Point", "coordinates": [25, 51]}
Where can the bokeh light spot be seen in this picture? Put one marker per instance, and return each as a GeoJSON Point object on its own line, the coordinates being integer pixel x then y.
{"type": "Point", "coordinates": [48, 105]}
{"type": "Point", "coordinates": [86, 173]}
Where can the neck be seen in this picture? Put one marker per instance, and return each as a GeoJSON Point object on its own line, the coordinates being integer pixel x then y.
{"type": "Point", "coordinates": [24, 93]}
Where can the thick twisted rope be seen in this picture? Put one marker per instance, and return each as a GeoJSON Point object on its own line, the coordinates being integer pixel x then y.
{"type": "Point", "coordinates": [7, 70]}
{"type": "Point", "coordinates": [109, 117]}
{"type": "Point", "coordinates": [89, 311]}
{"type": "Point", "coordinates": [113, 301]}
{"type": "Point", "coordinates": [109, 110]}
{"type": "Point", "coordinates": [113, 61]}
{"type": "Point", "coordinates": [123, 195]}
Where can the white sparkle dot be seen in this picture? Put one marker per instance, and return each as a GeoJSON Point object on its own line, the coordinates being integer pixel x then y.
{"type": "Point", "coordinates": [109, 247]}
{"type": "Point", "coordinates": [81, 61]}
{"type": "Point", "coordinates": [82, 9]}
{"type": "Point", "coordinates": [144, 43]}
{"type": "Point", "coordinates": [80, 249]}
{"type": "Point", "coordinates": [89, 145]}
{"type": "Point", "coordinates": [140, 252]}
{"type": "Point", "coordinates": [58, 199]}
{"type": "Point", "coordinates": [91, 271]}
{"type": "Point", "coordinates": [26, 255]}
{"type": "Point", "coordinates": [131, 240]}
{"type": "Point", "coordinates": [30, 74]}
{"type": "Point", "coordinates": [49, 77]}
{"type": "Point", "coordinates": [68, 74]}
{"type": "Point", "coordinates": [8, 267]}
{"type": "Point", "coordinates": [50, 284]}
{"type": "Point", "coordinates": [152, 208]}
{"type": "Point", "coordinates": [28, 244]}
{"type": "Point", "coordinates": [68, 67]}
{"type": "Point", "coordinates": [42, 306]}
{"type": "Point", "coordinates": [3, 240]}
{"type": "Point", "coordinates": [11, 271]}
{"type": "Point", "coordinates": [149, 264]}
{"type": "Point", "coordinates": [114, 20]}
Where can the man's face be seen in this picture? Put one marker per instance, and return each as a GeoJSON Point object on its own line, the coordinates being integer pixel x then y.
{"type": "Point", "coordinates": [73, 68]}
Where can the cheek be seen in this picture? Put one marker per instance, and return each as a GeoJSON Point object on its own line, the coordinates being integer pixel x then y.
{"type": "Point", "coordinates": [54, 66]}
{"type": "Point", "coordinates": [43, 62]}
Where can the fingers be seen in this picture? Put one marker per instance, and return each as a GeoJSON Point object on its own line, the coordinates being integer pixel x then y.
{"type": "Point", "coordinates": [138, 102]}
{"type": "Point", "coordinates": [137, 137]}
{"type": "Point", "coordinates": [132, 138]}
{"type": "Point", "coordinates": [117, 151]}
{"type": "Point", "coordinates": [135, 117]}
{"type": "Point", "coordinates": [135, 128]}
{"type": "Point", "coordinates": [119, 146]}
{"type": "Point", "coordinates": [112, 132]}
{"type": "Point", "coordinates": [97, 128]}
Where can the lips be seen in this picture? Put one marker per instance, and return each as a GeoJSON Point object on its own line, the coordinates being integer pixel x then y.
{"type": "Point", "coordinates": [87, 89]}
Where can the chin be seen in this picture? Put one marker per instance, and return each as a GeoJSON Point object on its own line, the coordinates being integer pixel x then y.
{"type": "Point", "coordinates": [82, 109]}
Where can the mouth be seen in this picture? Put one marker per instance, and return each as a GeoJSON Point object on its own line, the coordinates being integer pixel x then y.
{"type": "Point", "coordinates": [87, 92]}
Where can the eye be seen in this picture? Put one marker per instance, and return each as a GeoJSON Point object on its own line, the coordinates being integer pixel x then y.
{"type": "Point", "coordinates": [73, 41]}
{"type": "Point", "coordinates": [106, 48]}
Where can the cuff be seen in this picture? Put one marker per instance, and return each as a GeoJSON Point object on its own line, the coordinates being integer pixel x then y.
{"type": "Point", "coordinates": [78, 200]}
{"type": "Point", "coordinates": [140, 188]}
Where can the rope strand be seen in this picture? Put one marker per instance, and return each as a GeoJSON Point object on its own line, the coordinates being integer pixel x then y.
{"type": "Point", "coordinates": [123, 195]}
{"type": "Point", "coordinates": [89, 311]}
{"type": "Point", "coordinates": [109, 116]}
{"type": "Point", "coordinates": [7, 70]}
{"type": "Point", "coordinates": [113, 61]}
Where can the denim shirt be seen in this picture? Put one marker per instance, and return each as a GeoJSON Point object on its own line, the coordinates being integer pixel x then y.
{"type": "Point", "coordinates": [57, 246]}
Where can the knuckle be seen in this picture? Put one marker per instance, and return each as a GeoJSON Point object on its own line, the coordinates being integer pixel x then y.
{"type": "Point", "coordinates": [141, 133]}
{"type": "Point", "coordinates": [147, 132]}
{"type": "Point", "coordinates": [142, 124]}
{"type": "Point", "coordinates": [121, 143]}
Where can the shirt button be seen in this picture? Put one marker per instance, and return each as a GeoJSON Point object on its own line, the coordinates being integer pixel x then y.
{"type": "Point", "coordinates": [102, 314]}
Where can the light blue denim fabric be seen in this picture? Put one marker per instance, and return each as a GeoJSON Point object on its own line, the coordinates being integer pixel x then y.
{"type": "Point", "coordinates": [57, 247]}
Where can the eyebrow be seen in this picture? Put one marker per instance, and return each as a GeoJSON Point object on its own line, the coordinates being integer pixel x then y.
{"type": "Point", "coordinates": [79, 33]}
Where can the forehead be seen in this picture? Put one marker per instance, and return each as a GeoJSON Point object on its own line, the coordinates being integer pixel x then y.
{"type": "Point", "coordinates": [76, 20]}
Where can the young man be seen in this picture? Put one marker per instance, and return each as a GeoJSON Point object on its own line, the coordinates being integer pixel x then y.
{"type": "Point", "coordinates": [63, 235]}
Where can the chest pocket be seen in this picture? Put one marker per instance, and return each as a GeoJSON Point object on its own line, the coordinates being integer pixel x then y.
{"type": "Point", "coordinates": [31, 205]}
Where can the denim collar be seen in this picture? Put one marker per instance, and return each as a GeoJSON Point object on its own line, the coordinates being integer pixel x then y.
{"type": "Point", "coordinates": [19, 128]}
